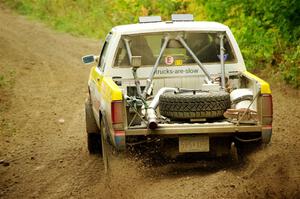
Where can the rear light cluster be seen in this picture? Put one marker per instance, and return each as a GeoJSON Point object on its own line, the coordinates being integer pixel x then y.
{"type": "Point", "coordinates": [117, 119]}
{"type": "Point", "coordinates": [267, 109]}
{"type": "Point", "coordinates": [117, 112]}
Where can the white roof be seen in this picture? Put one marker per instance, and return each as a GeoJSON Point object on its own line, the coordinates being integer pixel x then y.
{"type": "Point", "coordinates": [169, 26]}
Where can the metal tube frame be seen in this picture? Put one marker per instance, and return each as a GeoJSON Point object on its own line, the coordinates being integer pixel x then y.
{"type": "Point", "coordinates": [207, 78]}
{"type": "Point", "coordinates": [222, 50]}
{"type": "Point", "coordinates": [136, 81]}
{"type": "Point", "coordinates": [149, 80]}
{"type": "Point", "coordinates": [126, 41]}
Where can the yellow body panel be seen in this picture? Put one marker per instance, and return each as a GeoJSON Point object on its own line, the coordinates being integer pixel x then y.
{"type": "Point", "coordinates": [112, 91]}
{"type": "Point", "coordinates": [264, 86]}
{"type": "Point", "coordinates": [108, 89]}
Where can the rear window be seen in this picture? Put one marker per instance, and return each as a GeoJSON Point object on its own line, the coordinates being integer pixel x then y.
{"type": "Point", "coordinates": [206, 46]}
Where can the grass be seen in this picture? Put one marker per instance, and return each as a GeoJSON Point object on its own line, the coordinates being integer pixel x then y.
{"type": "Point", "coordinates": [81, 17]}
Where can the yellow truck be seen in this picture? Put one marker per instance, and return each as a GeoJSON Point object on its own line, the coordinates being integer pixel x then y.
{"type": "Point", "coordinates": [180, 81]}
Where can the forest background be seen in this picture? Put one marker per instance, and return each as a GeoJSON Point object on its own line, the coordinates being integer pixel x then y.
{"type": "Point", "coordinates": [268, 32]}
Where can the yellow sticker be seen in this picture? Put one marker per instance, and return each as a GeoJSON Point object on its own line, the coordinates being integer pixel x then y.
{"type": "Point", "coordinates": [178, 62]}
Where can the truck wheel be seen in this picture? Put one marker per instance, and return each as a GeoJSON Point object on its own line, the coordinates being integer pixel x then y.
{"type": "Point", "coordinates": [91, 125]}
{"type": "Point", "coordinates": [94, 143]}
{"type": "Point", "coordinates": [93, 133]}
{"type": "Point", "coordinates": [189, 105]}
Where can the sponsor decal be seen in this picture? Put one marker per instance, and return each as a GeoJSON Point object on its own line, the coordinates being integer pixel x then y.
{"type": "Point", "coordinates": [167, 71]}
{"type": "Point", "coordinates": [178, 62]}
{"type": "Point", "coordinates": [169, 60]}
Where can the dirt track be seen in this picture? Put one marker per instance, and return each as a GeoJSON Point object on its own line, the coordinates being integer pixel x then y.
{"type": "Point", "coordinates": [48, 159]}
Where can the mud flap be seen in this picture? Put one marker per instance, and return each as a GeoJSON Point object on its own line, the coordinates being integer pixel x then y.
{"type": "Point", "coordinates": [91, 125]}
{"type": "Point", "coordinates": [114, 137]}
{"type": "Point", "coordinates": [106, 147]}
{"type": "Point", "coordinates": [266, 134]}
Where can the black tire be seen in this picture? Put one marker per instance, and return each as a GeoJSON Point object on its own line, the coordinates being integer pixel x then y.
{"type": "Point", "coordinates": [91, 125]}
{"type": "Point", "coordinates": [93, 134]}
{"type": "Point", "coordinates": [94, 143]}
{"type": "Point", "coordinates": [188, 105]}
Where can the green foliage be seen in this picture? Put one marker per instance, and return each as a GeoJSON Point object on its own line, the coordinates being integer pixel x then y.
{"type": "Point", "coordinates": [268, 32]}
{"type": "Point", "coordinates": [81, 17]}
{"type": "Point", "coordinates": [290, 66]}
{"type": "Point", "coordinates": [247, 30]}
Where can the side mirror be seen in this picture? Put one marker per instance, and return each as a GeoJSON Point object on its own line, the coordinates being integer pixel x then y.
{"type": "Point", "coordinates": [88, 59]}
{"type": "Point", "coordinates": [136, 61]}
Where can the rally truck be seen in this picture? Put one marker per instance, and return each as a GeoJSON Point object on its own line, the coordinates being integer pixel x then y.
{"type": "Point", "coordinates": [180, 83]}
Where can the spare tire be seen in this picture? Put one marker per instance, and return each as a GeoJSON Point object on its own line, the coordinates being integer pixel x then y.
{"type": "Point", "coordinates": [194, 105]}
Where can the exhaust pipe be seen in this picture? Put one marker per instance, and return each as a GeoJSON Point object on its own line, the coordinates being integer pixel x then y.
{"type": "Point", "coordinates": [151, 114]}
{"type": "Point", "coordinates": [152, 118]}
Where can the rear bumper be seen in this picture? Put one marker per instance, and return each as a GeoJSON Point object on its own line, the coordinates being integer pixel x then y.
{"type": "Point", "coordinates": [222, 128]}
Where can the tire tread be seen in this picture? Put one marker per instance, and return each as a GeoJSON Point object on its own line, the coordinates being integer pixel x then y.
{"type": "Point", "coordinates": [199, 105]}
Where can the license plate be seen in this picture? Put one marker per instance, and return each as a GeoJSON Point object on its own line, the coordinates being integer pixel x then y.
{"type": "Point", "coordinates": [193, 144]}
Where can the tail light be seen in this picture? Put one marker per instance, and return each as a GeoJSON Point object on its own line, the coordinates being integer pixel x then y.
{"type": "Point", "coordinates": [117, 112]}
{"type": "Point", "coordinates": [267, 109]}
{"type": "Point", "coordinates": [117, 121]}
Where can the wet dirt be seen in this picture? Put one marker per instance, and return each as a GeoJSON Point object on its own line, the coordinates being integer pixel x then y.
{"type": "Point", "coordinates": [42, 140]}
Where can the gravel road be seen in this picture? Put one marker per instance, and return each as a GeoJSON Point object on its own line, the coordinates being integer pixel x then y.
{"type": "Point", "coordinates": [42, 138]}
